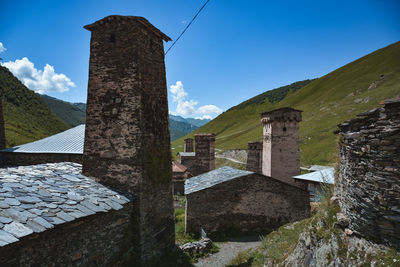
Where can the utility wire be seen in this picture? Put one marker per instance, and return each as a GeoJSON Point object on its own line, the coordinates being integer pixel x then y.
{"type": "Point", "coordinates": [187, 26]}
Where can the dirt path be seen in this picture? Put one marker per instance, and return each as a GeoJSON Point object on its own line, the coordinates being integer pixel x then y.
{"type": "Point", "coordinates": [228, 251]}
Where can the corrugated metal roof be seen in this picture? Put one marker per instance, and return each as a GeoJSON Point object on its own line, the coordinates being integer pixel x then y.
{"type": "Point", "coordinates": [212, 178]}
{"type": "Point", "coordinates": [70, 141]}
{"type": "Point", "coordinates": [187, 154]}
{"type": "Point", "coordinates": [326, 175]}
{"type": "Point", "coordinates": [39, 197]}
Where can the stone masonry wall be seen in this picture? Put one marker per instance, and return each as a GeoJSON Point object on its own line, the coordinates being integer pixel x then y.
{"type": "Point", "coordinates": [368, 185]}
{"type": "Point", "coordinates": [127, 140]}
{"type": "Point", "coordinates": [205, 153]}
{"type": "Point", "coordinates": [281, 144]}
{"type": "Point", "coordinates": [91, 241]}
{"type": "Point", "coordinates": [254, 157]}
{"type": "Point", "coordinates": [25, 159]}
{"type": "Point", "coordinates": [188, 145]}
{"type": "Point", "coordinates": [253, 203]}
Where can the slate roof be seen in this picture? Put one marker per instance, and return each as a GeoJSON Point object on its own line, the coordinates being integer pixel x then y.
{"type": "Point", "coordinates": [326, 175]}
{"type": "Point", "coordinates": [212, 178]}
{"type": "Point", "coordinates": [187, 154]}
{"type": "Point", "coordinates": [70, 142]}
{"type": "Point", "coordinates": [38, 197]}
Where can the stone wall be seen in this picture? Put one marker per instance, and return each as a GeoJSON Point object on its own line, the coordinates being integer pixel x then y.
{"type": "Point", "coordinates": [236, 154]}
{"type": "Point", "coordinates": [188, 145]}
{"type": "Point", "coordinates": [96, 240]}
{"type": "Point", "coordinates": [127, 140]}
{"type": "Point", "coordinates": [253, 203]}
{"type": "Point", "coordinates": [254, 157]}
{"type": "Point", "coordinates": [188, 162]}
{"type": "Point", "coordinates": [205, 153]}
{"type": "Point", "coordinates": [25, 159]}
{"type": "Point", "coordinates": [368, 185]}
{"type": "Point", "coordinates": [281, 144]}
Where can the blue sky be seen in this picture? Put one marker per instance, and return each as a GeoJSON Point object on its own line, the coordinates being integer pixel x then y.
{"type": "Point", "coordinates": [233, 51]}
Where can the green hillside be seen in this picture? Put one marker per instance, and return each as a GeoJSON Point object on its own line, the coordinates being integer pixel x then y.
{"type": "Point", "coordinates": [27, 117]}
{"type": "Point", "coordinates": [327, 101]}
{"type": "Point", "coordinates": [70, 113]}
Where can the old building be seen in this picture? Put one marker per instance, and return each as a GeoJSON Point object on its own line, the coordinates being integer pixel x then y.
{"type": "Point", "coordinates": [62, 217]}
{"type": "Point", "coordinates": [281, 144]}
{"type": "Point", "coordinates": [254, 157]}
{"type": "Point", "coordinates": [66, 146]}
{"type": "Point", "coordinates": [368, 182]}
{"type": "Point", "coordinates": [231, 200]}
{"type": "Point", "coordinates": [318, 181]}
{"type": "Point", "coordinates": [179, 174]}
{"type": "Point", "coordinates": [205, 153]}
{"type": "Point", "coordinates": [187, 159]}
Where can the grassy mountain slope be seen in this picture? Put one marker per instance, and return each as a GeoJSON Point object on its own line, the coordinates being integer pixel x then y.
{"type": "Point", "coordinates": [27, 117]}
{"type": "Point", "coordinates": [327, 101]}
{"type": "Point", "coordinates": [70, 113]}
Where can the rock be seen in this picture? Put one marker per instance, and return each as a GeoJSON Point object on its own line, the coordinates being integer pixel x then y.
{"type": "Point", "coordinates": [348, 231]}
{"type": "Point", "coordinates": [343, 221]}
{"type": "Point", "coordinates": [334, 201]}
{"type": "Point", "coordinates": [195, 247]}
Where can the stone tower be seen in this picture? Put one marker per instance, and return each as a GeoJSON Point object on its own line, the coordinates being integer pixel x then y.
{"type": "Point", "coordinates": [127, 140]}
{"type": "Point", "coordinates": [188, 145]}
{"type": "Point", "coordinates": [205, 153]}
{"type": "Point", "coordinates": [254, 157]}
{"type": "Point", "coordinates": [281, 144]}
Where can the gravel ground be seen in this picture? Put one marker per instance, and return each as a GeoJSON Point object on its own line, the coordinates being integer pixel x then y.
{"type": "Point", "coordinates": [228, 251]}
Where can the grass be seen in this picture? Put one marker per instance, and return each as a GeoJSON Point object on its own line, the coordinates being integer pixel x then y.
{"type": "Point", "coordinates": [220, 162]}
{"type": "Point", "coordinates": [27, 117]}
{"type": "Point", "coordinates": [326, 102]}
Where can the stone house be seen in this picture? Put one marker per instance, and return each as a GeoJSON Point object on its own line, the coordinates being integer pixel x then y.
{"type": "Point", "coordinates": [179, 176]}
{"type": "Point", "coordinates": [368, 186]}
{"type": "Point", "coordinates": [228, 199]}
{"type": "Point", "coordinates": [317, 181]}
{"type": "Point", "coordinates": [201, 161]}
{"type": "Point", "coordinates": [117, 207]}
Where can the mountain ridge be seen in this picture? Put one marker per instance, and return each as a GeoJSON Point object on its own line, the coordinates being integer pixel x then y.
{"type": "Point", "coordinates": [327, 101]}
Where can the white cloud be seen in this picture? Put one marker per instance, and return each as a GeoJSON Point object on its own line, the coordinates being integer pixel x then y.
{"type": "Point", "coordinates": [204, 117]}
{"type": "Point", "coordinates": [187, 107]}
{"type": "Point", "coordinates": [2, 48]}
{"type": "Point", "coordinates": [40, 81]}
{"type": "Point", "coordinates": [209, 109]}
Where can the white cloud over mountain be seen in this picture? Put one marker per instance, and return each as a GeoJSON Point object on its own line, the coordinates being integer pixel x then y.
{"type": "Point", "coordinates": [187, 107]}
{"type": "Point", "coordinates": [2, 48]}
{"type": "Point", "coordinates": [40, 81]}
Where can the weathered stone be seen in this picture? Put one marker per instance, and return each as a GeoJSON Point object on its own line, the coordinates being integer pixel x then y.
{"type": "Point", "coordinates": [281, 144]}
{"type": "Point", "coordinates": [17, 229]}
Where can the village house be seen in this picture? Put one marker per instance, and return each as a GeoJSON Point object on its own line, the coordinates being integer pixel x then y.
{"type": "Point", "coordinates": [251, 201]}
{"type": "Point", "coordinates": [117, 207]}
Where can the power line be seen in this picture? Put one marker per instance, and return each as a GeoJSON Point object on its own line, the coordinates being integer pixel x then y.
{"type": "Point", "coordinates": [187, 26]}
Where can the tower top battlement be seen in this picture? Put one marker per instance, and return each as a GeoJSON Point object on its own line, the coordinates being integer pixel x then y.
{"type": "Point", "coordinates": [281, 115]}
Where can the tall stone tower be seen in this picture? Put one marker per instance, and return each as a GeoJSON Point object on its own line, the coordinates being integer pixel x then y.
{"type": "Point", "coordinates": [205, 153]}
{"type": "Point", "coordinates": [127, 140]}
{"type": "Point", "coordinates": [254, 157]}
{"type": "Point", "coordinates": [188, 145]}
{"type": "Point", "coordinates": [281, 144]}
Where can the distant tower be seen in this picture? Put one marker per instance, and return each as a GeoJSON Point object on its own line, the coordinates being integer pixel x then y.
{"type": "Point", "coordinates": [254, 157]}
{"type": "Point", "coordinates": [127, 140]}
{"type": "Point", "coordinates": [281, 144]}
{"type": "Point", "coordinates": [205, 153]}
{"type": "Point", "coordinates": [188, 145]}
